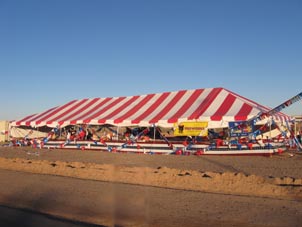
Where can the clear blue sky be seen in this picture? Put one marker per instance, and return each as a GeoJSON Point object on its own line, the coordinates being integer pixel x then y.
{"type": "Point", "coordinates": [55, 51]}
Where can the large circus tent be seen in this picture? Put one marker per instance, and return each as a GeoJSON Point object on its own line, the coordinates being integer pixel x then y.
{"type": "Point", "coordinates": [217, 106]}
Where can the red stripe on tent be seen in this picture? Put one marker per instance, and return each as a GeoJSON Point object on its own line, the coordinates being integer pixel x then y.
{"type": "Point", "coordinates": [36, 117]}
{"type": "Point", "coordinates": [47, 112]}
{"type": "Point", "coordinates": [134, 109]}
{"type": "Point", "coordinates": [27, 123]}
{"type": "Point", "coordinates": [168, 107]}
{"type": "Point", "coordinates": [67, 111]}
{"type": "Point", "coordinates": [224, 108]}
{"type": "Point", "coordinates": [24, 119]}
{"type": "Point", "coordinates": [251, 101]}
{"type": "Point", "coordinates": [162, 97]}
{"type": "Point", "coordinates": [74, 121]}
{"type": "Point", "coordinates": [186, 106]}
{"type": "Point", "coordinates": [56, 111]}
{"type": "Point", "coordinates": [205, 104]}
{"type": "Point", "coordinates": [103, 110]}
{"type": "Point", "coordinates": [258, 106]}
{"type": "Point", "coordinates": [244, 111]}
{"type": "Point", "coordinates": [79, 111]}
{"type": "Point", "coordinates": [118, 110]}
{"type": "Point", "coordinates": [40, 115]}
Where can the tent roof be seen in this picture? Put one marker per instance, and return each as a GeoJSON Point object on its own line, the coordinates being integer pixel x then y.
{"type": "Point", "coordinates": [218, 106]}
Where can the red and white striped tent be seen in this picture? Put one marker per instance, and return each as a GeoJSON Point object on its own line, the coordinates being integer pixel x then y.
{"type": "Point", "coordinates": [217, 106]}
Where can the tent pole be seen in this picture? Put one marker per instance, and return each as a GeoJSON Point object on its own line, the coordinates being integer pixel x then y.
{"type": "Point", "coordinates": [270, 128]}
{"type": "Point", "coordinates": [154, 128]}
{"type": "Point", "coordinates": [295, 126]}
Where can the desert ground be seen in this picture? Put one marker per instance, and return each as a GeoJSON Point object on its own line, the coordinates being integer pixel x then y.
{"type": "Point", "coordinates": [56, 187]}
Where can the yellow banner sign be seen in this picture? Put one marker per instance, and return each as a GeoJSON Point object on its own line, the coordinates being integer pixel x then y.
{"type": "Point", "coordinates": [191, 129]}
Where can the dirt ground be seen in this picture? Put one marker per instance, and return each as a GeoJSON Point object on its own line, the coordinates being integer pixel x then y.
{"type": "Point", "coordinates": [92, 188]}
